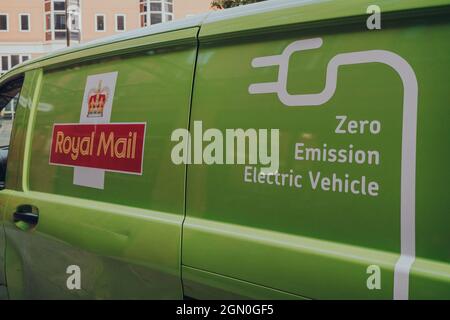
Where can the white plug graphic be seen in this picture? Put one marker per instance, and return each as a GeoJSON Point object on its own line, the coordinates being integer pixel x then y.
{"type": "Point", "coordinates": [409, 129]}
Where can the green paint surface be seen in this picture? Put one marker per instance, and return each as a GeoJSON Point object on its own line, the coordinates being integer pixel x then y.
{"type": "Point", "coordinates": [207, 232]}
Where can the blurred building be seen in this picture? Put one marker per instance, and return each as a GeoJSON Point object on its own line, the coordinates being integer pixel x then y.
{"type": "Point", "coordinates": [30, 28]}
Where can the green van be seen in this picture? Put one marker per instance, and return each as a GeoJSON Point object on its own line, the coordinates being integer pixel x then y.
{"type": "Point", "coordinates": [93, 205]}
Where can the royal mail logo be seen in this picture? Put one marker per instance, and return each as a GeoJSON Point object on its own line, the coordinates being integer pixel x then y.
{"type": "Point", "coordinates": [97, 100]}
{"type": "Point", "coordinates": [95, 145]}
{"type": "Point", "coordinates": [113, 147]}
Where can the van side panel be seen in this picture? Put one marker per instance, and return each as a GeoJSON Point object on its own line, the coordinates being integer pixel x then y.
{"type": "Point", "coordinates": [340, 218]}
{"type": "Point", "coordinates": [125, 237]}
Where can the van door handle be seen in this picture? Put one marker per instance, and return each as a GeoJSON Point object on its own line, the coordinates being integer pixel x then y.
{"type": "Point", "coordinates": [26, 213]}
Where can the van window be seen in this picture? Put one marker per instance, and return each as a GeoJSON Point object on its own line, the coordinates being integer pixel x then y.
{"type": "Point", "coordinates": [132, 90]}
{"type": "Point", "coordinates": [9, 97]}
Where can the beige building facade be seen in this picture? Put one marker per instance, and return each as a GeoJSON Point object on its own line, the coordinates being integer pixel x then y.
{"type": "Point", "coordinates": [187, 8]}
{"type": "Point", "coordinates": [30, 28]}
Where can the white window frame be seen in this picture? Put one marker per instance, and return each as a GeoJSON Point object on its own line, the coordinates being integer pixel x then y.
{"type": "Point", "coordinates": [7, 21]}
{"type": "Point", "coordinates": [24, 55]}
{"type": "Point", "coordinates": [20, 22]}
{"type": "Point", "coordinates": [80, 3]}
{"type": "Point", "coordinates": [124, 21]}
{"type": "Point", "coordinates": [104, 22]}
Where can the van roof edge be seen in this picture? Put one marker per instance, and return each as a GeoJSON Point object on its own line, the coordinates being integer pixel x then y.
{"type": "Point", "coordinates": [284, 12]}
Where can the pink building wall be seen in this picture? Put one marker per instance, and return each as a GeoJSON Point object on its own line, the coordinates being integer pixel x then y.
{"type": "Point", "coordinates": [89, 8]}
{"type": "Point", "coordinates": [183, 8]}
{"type": "Point", "coordinates": [33, 43]}
{"type": "Point", "coordinates": [13, 8]}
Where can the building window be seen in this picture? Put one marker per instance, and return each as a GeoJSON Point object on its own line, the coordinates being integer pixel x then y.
{"type": "Point", "coordinates": [156, 6]}
{"type": "Point", "coordinates": [155, 18]}
{"type": "Point", "coordinates": [4, 22]}
{"type": "Point", "coordinates": [15, 60]}
{"type": "Point", "coordinates": [24, 22]}
{"type": "Point", "coordinates": [60, 21]}
{"type": "Point", "coordinates": [155, 11]}
{"type": "Point", "coordinates": [120, 22]}
{"type": "Point", "coordinates": [99, 22]}
{"type": "Point", "coordinates": [56, 22]}
{"type": "Point", "coordinates": [4, 64]}
{"type": "Point", "coordinates": [60, 26]}
{"type": "Point", "coordinates": [9, 61]}
{"type": "Point", "coordinates": [59, 5]}
{"type": "Point", "coordinates": [168, 6]}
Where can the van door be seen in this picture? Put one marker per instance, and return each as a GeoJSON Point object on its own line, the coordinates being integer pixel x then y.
{"type": "Point", "coordinates": [101, 206]}
{"type": "Point", "coordinates": [335, 216]}
{"type": "Point", "coordinates": [14, 94]}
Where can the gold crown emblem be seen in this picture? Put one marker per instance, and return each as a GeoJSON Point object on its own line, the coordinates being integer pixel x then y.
{"type": "Point", "coordinates": [96, 101]}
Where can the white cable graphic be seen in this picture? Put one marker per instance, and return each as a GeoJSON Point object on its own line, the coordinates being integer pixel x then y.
{"type": "Point", "coordinates": [409, 129]}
